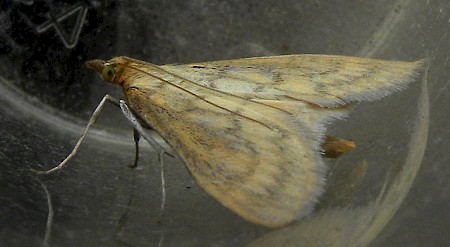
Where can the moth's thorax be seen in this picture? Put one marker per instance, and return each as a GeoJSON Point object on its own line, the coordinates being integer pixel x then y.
{"type": "Point", "coordinates": [131, 73]}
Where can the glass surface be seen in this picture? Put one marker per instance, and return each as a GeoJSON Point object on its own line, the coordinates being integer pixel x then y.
{"type": "Point", "coordinates": [48, 95]}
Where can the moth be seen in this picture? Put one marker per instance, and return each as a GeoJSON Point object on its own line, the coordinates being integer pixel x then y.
{"type": "Point", "coordinates": [251, 131]}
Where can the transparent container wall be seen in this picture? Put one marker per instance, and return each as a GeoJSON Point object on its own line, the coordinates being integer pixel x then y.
{"type": "Point", "coordinates": [47, 96]}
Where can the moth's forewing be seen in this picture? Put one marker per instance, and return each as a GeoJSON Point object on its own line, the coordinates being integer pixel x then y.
{"type": "Point", "coordinates": [249, 130]}
{"type": "Point", "coordinates": [325, 80]}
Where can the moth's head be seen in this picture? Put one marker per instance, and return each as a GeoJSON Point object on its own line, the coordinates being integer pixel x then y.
{"type": "Point", "coordinates": [107, 69]}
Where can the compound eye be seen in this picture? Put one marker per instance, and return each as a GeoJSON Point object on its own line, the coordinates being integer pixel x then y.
{"type": "Point", "coordinates": [108, 72]}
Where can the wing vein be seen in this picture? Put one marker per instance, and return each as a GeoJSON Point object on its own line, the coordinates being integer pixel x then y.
{"type": "Point", "coordinates": [216, 90]}
{"type": "Point", "coordinates": [197, 96]}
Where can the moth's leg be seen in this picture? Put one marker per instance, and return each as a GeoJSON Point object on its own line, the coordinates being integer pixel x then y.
{"type": "Point", "coordinates": [163, 183]}
{"type": "Point", "coordinates": [138, 127]}
{"type": "Point", "coordinates": [139, 130]}
{"type": "Point", "coordinates": [92, 120]}
{"type": "Point", "coordinates": [163, 201]}
{"type": "Point", "coordinates": [136, 137]}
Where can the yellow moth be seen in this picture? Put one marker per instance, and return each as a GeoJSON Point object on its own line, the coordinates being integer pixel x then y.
{"type": "Point", "coordinates": [250, 130]}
